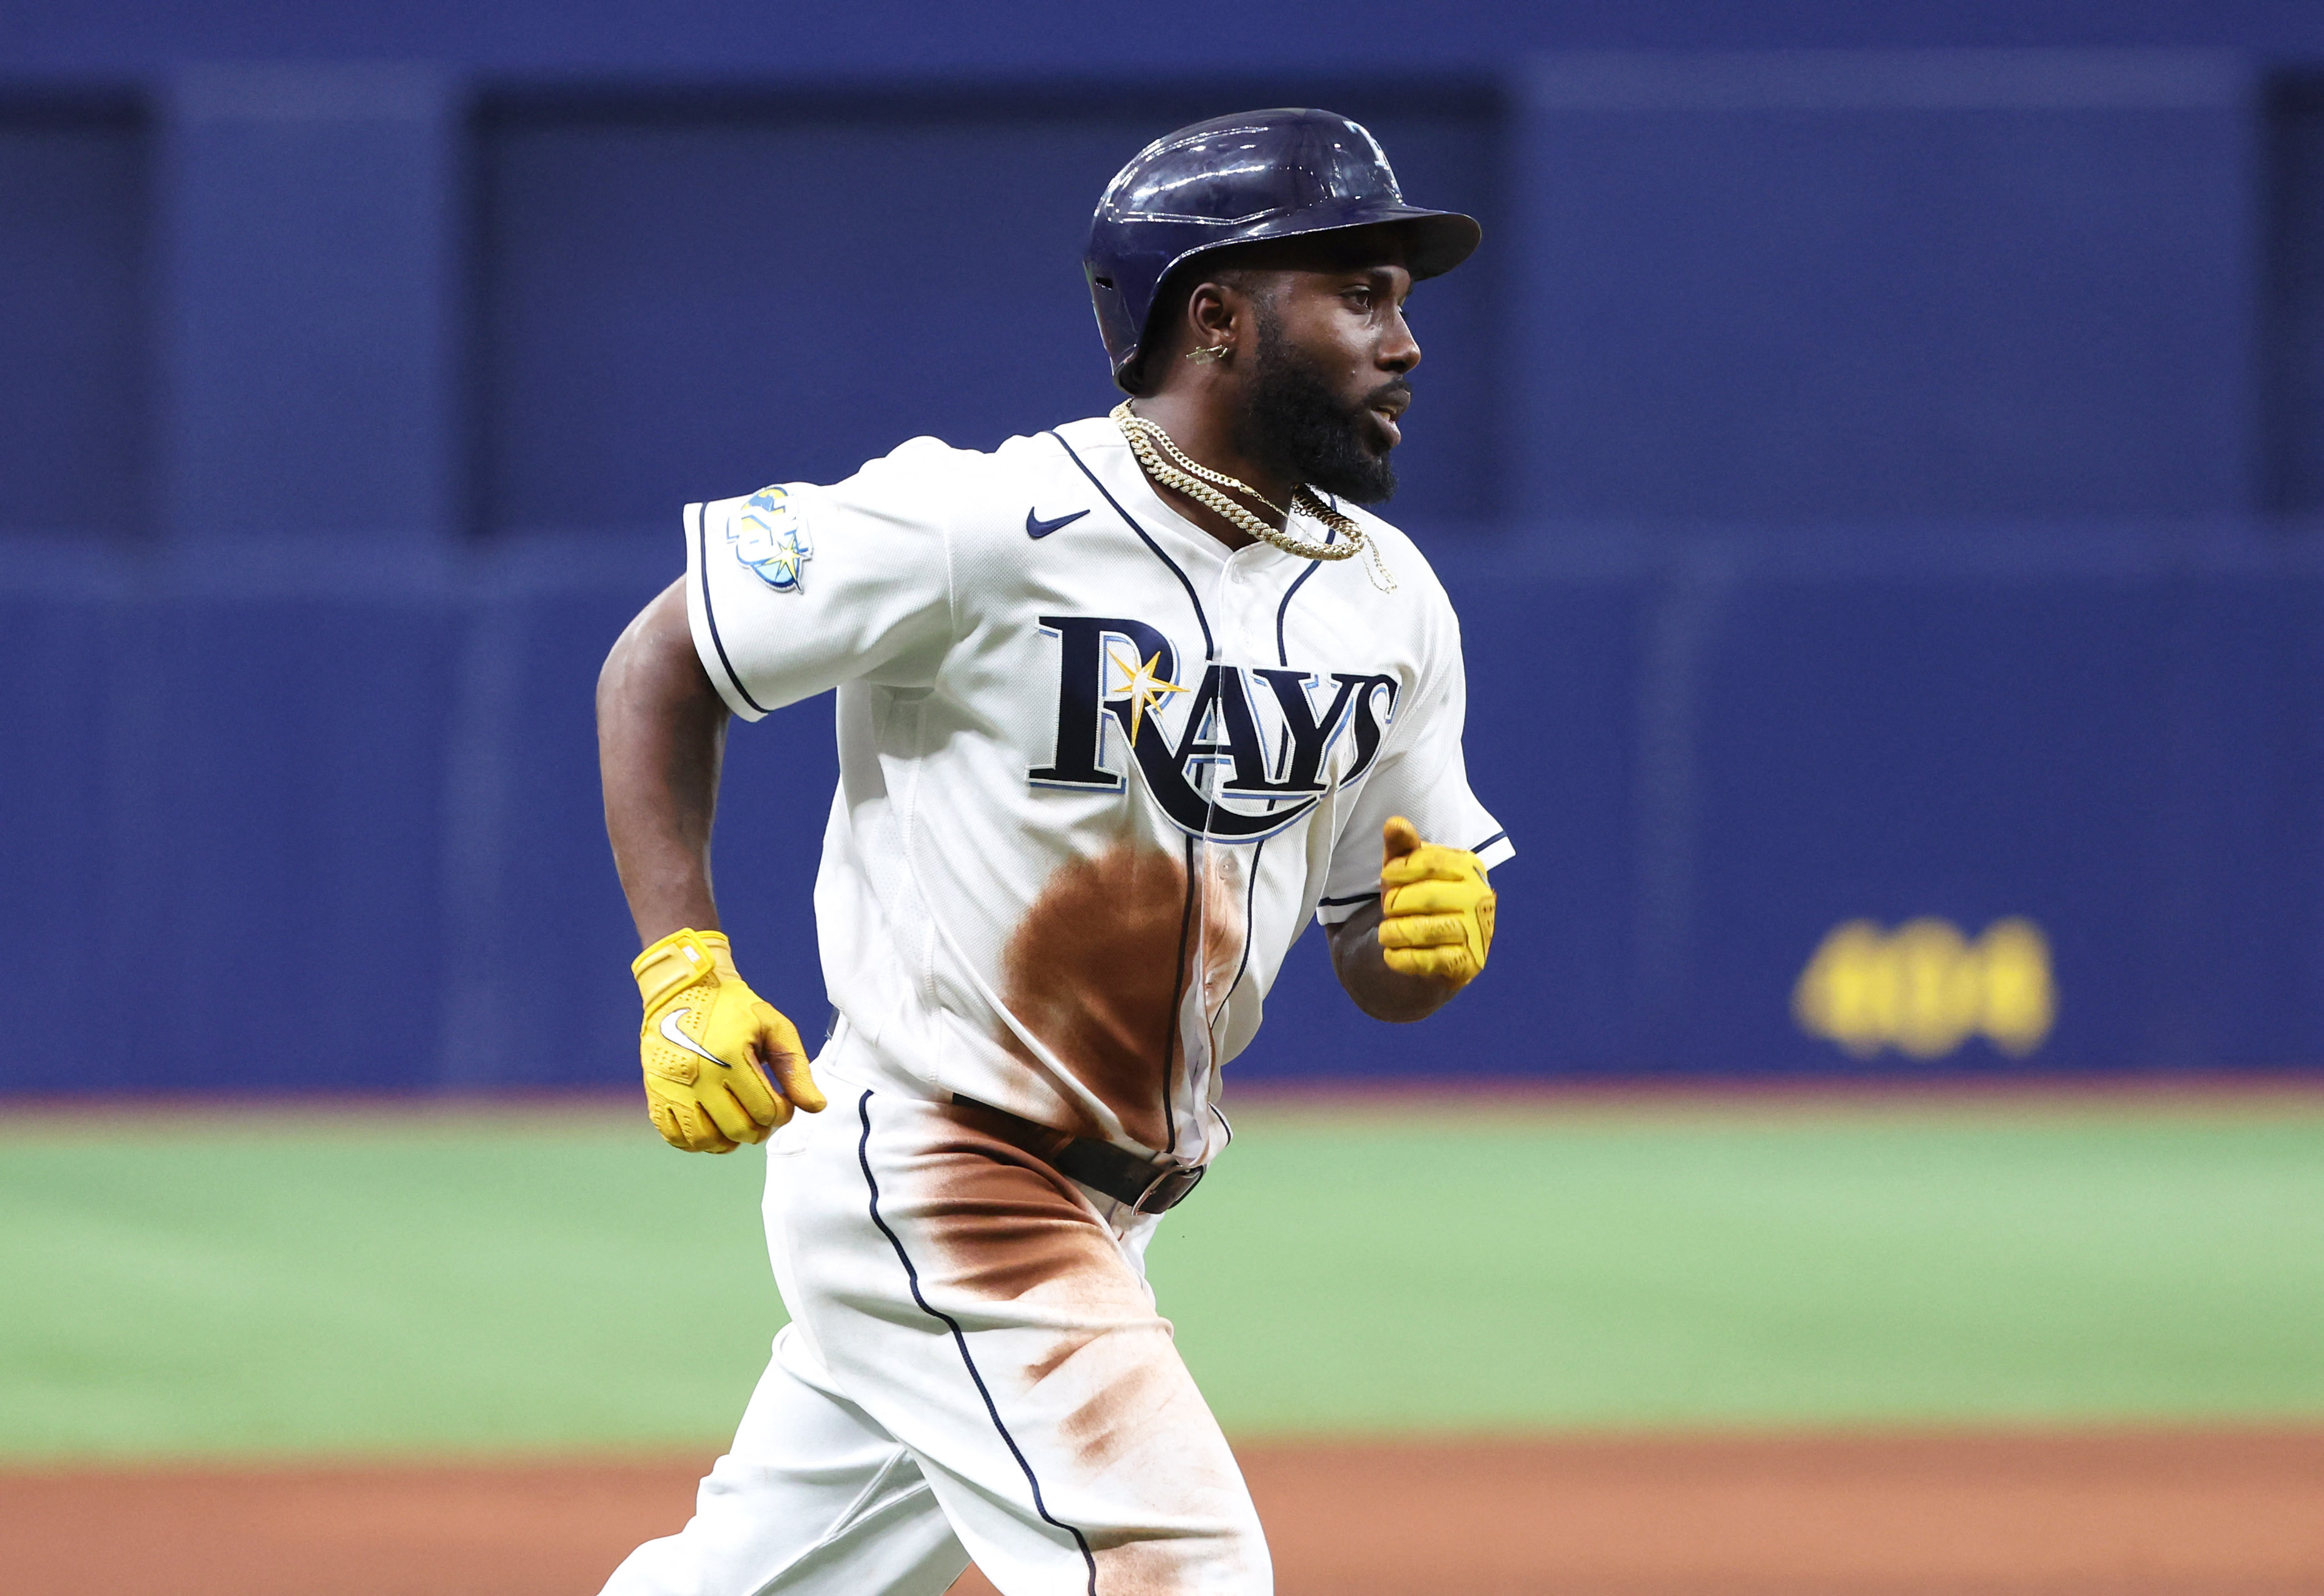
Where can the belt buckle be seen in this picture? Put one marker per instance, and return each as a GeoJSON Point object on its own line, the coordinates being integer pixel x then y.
{"type": "Point", "coordinates": [1169, 1188]}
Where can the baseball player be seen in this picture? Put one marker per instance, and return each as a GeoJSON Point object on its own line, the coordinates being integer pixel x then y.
{"type": "Point", "coordinates": [1121, 706]}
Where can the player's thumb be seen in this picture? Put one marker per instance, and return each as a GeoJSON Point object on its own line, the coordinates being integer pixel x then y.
{"type": "Point", "coordinates": [783, 1060]}
{"type": "Point", "coordinates": [794, 1080]}
{"type": "Point", "coordinates": [1398, 837]}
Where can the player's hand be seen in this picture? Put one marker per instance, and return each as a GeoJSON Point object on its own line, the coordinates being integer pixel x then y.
{"type": "Point", "coordinates": [1436, 908]}
{"type": "Point", "coordinates": [710, 1043]}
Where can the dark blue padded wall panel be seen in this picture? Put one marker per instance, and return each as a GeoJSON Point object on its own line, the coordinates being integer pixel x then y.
{"type": "Point", "coordinates": [310, 307]}
{"type": "Point", "coordinates": [689, 300]}
{"type": "Point", "coordinates": [2130, 762]}
{"type": "Point", "coordinates": [57, 845]}
{"type": "Point", "coordinates": [289, 809]}
{"type": "Point", "coordinates": [298, 798]}
{"type": "Point", "coordinates": [1843, 285]}
{"type": "Point", "coordinates": [352, 838]}
{"type": "Point", "coordinates": [2294, 356]}
{"type": "Point", "coordinates": [238, 797]}
{"type": "Point", "coordinates": [529, 884]}
{"type": "Point", "coordinates": [334, 790]}
{"type": "Point", "coordinates": [2129, 750]}
{"type": "Point", "coordinates": [917, 39]}
{"type": "Point", "coordinates": [75, 208]}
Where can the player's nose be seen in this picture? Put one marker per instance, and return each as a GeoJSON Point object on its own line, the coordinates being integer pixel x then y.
{"type": "Point", "coordinates": [1399, 351]}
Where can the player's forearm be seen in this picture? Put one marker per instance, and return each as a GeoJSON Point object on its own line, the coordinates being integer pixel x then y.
{"type": "Point", "coordinates": [661, 733]}
{"type": "Point", "coordinates": [1379, 991]}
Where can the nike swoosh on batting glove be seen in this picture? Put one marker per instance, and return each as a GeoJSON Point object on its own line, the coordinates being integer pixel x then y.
{"type": "Point", "coordinates": [722, 1066]}
{"type": "Point", "coordinates": [1436, 908]}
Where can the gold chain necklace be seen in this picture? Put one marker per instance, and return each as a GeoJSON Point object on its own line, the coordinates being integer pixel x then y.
{"type": "Point", "coordinates": [1163, 460]}
{"type": "Point", "coordinates": [1137, 427]}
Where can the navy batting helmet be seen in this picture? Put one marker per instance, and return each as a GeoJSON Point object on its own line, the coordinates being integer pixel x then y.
{"type": "Point", "coordinates": [1238, 179]}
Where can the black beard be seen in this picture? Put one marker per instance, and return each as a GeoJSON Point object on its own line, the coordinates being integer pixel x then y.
{"type": "Point", "coordinates": [1292, 424]}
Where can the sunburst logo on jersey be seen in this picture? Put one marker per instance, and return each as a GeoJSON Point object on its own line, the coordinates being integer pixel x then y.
{"type": "Point", "coordinates": [1143, 686]}
{"type": "Point", "coordinates": [769, 537]}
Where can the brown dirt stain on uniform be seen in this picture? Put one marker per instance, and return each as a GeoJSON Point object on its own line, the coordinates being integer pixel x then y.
{"type": "Point", "coordinates": [1006, 1225]}
{"type": "Point", "coordinates": [1095, 1372]}
{"type": "Point", "coordinates": [1133, 1419]}
{"type": "Point", "coordinates": [1137, 1396]}
{"type": "Point", "coordinates": [1165, 1565]}
{"type": "Point", "coordinates": [1101, 960]}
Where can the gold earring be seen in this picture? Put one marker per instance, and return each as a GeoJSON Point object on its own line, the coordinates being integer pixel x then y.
{"type": "Point", "coordinates": [1208, 353]}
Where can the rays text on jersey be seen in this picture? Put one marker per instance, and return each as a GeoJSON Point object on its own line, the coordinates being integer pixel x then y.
{"type": "Point", "coordinates": [1253, 748]}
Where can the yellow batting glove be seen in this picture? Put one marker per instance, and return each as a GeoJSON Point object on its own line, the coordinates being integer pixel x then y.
{"type": "Point", "coordinates": [1436, 908]}
{"type": "Point", "coordinates": [708, 1043]}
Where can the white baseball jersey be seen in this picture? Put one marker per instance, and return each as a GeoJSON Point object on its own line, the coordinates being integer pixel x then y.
{"type": "Point", "coordinates": [1096, 769]}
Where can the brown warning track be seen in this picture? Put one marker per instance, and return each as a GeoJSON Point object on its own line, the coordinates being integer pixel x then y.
{"type": "Point", "coordinates": [2188, 1513]}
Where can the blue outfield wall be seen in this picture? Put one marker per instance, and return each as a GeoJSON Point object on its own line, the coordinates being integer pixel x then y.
{"type": "Point", "coordinates": [1880, 484]}
{"type": "Point", "coordinates": [337, 825]}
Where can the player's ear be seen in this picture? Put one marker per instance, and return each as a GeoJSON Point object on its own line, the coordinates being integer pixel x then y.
{"type": "Point", "coordinates": [1215, 314]}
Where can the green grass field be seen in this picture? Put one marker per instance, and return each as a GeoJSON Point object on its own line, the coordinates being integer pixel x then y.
{"type": "Point", "coordinates": [432, 1284]}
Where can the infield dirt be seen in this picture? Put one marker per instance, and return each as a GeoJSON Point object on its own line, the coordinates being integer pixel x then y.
{"type": "Point", "coordinates": [2146, 1513]}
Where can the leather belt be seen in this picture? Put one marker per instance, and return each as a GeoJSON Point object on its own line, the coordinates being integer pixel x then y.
{"type": "Point", "coordinates": [1148, 1187]}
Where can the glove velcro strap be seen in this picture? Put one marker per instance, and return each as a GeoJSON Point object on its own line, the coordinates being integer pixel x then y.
{"type": "Point", "coordinates": [679, 960]}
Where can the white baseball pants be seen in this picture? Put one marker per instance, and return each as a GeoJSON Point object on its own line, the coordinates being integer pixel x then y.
{"type": "Point", "coordinates": [975, 1368]}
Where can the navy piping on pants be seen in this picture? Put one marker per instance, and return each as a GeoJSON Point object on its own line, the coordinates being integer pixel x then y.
{"type": "Point", "coordinates": [960, 1340]}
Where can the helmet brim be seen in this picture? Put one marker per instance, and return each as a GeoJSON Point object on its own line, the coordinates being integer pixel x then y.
{"type": "Point", "coordinates": [1436, 241]}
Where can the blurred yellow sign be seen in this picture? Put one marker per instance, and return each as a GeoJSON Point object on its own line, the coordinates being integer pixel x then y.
{"type": "Point", "coordinates": [1924, 988]}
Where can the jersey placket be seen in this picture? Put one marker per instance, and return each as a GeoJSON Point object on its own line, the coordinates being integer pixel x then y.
{"type": "Point", "coordinates": [1237, 603]}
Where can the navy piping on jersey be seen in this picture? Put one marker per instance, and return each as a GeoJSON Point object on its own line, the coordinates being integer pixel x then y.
{"type": "Point", "coordinates": [1367, 897]}
{"type": "Point", "coordinates": [1282, 657]}
{"type": "Point", "coordinates": [1282, 654]}
{"type": "Point", "coordinates": [960, 1340]}
{"type": "Point", "coordinates": [1210, 646]}
{"type": "Point", "coordinates": [1178, 999]}
{"type": "Point", "coordinates": [1211, 652]}
{"type": "Point", "coordinates": [1249, 900]}
{"type": "Point", "coordinates": [1282, 650]}
{"type": "Point", "coordinates": [702, 562]}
